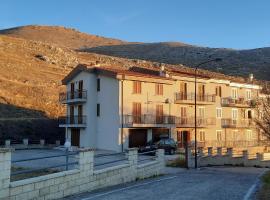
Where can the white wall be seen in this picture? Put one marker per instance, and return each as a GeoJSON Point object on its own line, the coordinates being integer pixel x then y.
{"type": "Point", "coordinates": [109, 121]}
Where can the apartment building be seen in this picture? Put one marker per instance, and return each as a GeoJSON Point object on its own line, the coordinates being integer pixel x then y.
{"type": "Point", "coordinates": [115, 109]}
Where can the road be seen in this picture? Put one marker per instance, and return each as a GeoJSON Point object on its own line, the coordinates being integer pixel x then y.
{"type": "Point", "coordinates": [217, 183]}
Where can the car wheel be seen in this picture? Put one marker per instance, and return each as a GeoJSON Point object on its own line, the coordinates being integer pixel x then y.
{"type": "Point", "coordinates": [172, 151]}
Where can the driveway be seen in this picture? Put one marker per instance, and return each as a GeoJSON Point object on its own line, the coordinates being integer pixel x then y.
{"type": "Point", "coordinates": [217, 183]}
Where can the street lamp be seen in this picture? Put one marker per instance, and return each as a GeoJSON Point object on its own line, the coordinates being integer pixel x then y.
{"type": "Point", "coordinates": [196, 69]}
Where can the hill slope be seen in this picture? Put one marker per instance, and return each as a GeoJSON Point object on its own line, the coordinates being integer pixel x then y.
{"type": "Point", "coordinates": [235, 62]}
{"type": "Point", "coordinates": [60, 36]}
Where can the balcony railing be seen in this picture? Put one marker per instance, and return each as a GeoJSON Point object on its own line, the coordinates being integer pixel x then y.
{"type": "Point", "coordinates": [190, 121]}
{"type": "Point", "coordinates": [208, 98]}
{"type": "Point", "coordinates": [237, 123]}
{"type": "Point", "coordinates": [73, 97]}
{"type": "Point", "coordinates": [228, 101]}
{"type": "Point", "coordinates": [148, 119]}
{"type": "Point", "coordinates": [72, 121]}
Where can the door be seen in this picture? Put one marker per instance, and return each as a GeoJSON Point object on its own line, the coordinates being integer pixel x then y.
{"type": "Point", "coordinates": [75, 137]}
{"type": "Point", "coordinates": [72, 89]}
{"type": "Point", "coordinates": [159, 114]}
{"type": "Point", "coordinates": [183, 115]}
{"type": "Point", "coordinates": [183, 91]}
{"type": "Point", "coordinates": [201, 116]}
{"type": "Point", "coordinates": [234, 116]}
{"type": "Point", "coordinates": [80, 114]}
{"type": "Point", "coordinates": [137, 112]}
{"type": "Point", "coordinates": [183, 138]}
{"type": "Point", "coordinates": [201, 92]}
{"type": "Point", "coordinates": [80, 89]}
{"type": "Point", "coordinates": [71, 114]}
{"type": "Point", "coordinates": [137, 137]}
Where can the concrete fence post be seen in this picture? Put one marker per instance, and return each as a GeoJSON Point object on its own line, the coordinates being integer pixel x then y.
{"type": "Point", "coordinates": [42, 142]}
{"type": "Point", "coordinates": [133, 157]}
{"type": "Point", "coordinates": [210, 151]}
{"type": "Point", "coordinates": [219, 151]}
{"type": "Point", "coordinates": [57, 142]}
{"type": "Point", "coordinates": [86, 162]}
{"type": "Point", "coordinates": [7, 143]}
{"type": "Point", "coordinates": [5, 166]}
{"type": "Point", "coordinates": [25, 141]}
{"type": "Point", "coordinates": [161, 158]}
{"type": "Point", "coordinates": [200, 151]}
{"type": "Point", "coordinates": [191, 159]}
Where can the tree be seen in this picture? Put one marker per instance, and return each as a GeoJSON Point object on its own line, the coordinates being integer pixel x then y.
{"type": "Point", "coordinates": [263, 119]}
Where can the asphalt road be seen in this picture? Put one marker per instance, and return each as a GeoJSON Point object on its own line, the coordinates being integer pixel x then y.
{"type": "Point", "coordinates": [217, 183]}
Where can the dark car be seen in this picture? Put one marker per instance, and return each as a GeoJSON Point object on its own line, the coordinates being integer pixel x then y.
{"type": "Point", "coordinates": [168, 144]}
{"type": "Point", "coordinates": [150, 146]}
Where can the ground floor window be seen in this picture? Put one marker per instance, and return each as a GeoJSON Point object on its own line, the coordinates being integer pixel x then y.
{"type": "Point", "coordinates": [219, 135]}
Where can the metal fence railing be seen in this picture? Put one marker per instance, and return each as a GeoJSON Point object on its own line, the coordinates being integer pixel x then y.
{"type": "Point", "coordinates": [61, 162]}
{"type": "Point", "coordinates": [147, 156]}
{"type": "Point", "coordinates": [109, 159]}
{"type": "Point", "coordinates": [181, 96]}
{"type": "Point", "coordinates": [75, 95]}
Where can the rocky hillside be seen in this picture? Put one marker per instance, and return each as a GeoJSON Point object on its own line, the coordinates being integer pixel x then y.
{"type": "Point", "coordinates": [235, 62]}
{"type": "Point", "coordinates": [60, 36]}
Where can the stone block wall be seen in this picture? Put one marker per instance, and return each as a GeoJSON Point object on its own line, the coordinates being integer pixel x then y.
{"type": "Point", "coordinates": [62, 184]}
{"type": "Point", "coordinates": [230, 156]}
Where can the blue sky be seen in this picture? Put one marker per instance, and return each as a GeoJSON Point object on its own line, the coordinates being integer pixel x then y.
{"type": "Point", "coordinates": [240, 24]}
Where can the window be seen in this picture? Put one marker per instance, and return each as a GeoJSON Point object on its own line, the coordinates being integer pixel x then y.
{"type": "Point", "coordinates": [72, 89]}
{"type": "Point", "coordinates": [218, 91]}
{"type": "Point", "coordinates": [80, 88]}
{"type": "Point", "coordinates": [159, 89]}
{"type": "Point", "coordinates": [202, 136]}
{"type": "Point", "coordinates": [248, 94]}
{"type": "Point", "coordinates": [249, 114]}
{"type": "Point", "coordinates": [219, 113]}
{"type": "Point", "coordinates": [234, 93]}
{"type": "Point", "coordinates": [249, 135]}
{"type": "Point", "coordinates": [137, 87]}
{"type": "Point", "coordinates": [183, 88]}
{"type": "Point", "coordinates": [234, 114]}
{"type": "Point", "coordinates": [98, 109]}
{"type": "Point", "coordinates": [219, 135]}
{"type": "Point", "coordinates": [98, 84]}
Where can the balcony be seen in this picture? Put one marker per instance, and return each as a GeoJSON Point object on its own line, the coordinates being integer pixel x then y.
{"type": "Point", "coordinates": [234, 123]}
{"type": "Point", "coordinates": [189, 122]}
{"type": "Point", "coordinates": [189, 98]}
{"type": "Point", "coordinates": [73, 97]}
{"type": "Point", "coordinates": [72, 121]}
{"type": "Point", "coordinates": [239, 102]}
{"type": "Point", "coordinates": [148, 120]}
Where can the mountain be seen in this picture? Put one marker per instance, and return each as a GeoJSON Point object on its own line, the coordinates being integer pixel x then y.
{"type": "Point", "coordinates": [60, 36]}
{"type": "Point", "coordinates": [234, 62]}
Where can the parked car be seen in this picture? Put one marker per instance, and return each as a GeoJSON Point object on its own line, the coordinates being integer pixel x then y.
{"type": "Point", "coordinates": [168, 144]}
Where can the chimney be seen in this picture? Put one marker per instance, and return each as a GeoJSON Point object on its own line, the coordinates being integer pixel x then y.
{"type": "Point", "coordinates": [162, 70]}
{"type": "Point", "coordinates": [251, 77]}
{"type": "Point", "coordinates": [97, 63]}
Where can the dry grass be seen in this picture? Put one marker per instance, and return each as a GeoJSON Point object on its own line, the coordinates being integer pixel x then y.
{"type": "Point", "coordinates": [264, 192]}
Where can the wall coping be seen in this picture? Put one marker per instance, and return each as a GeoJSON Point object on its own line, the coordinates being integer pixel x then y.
{"type": "Point", "coordinates": [86, 149]}
{"type": "Point", "coordinates": [99, 171]}
{"type": "Point", "coordinates": [43, 178]}
{"type": "Point", "coordinates": [147, 164]}
{"type": "Point", "coordinates": [5, 150]}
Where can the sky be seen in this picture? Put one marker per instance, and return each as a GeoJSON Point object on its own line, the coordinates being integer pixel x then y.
{"type": "Point", "coordinates": [238, 24]}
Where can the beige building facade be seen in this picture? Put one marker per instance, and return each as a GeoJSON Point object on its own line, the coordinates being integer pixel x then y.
{"type": "Point", "coordinates": [117, 109]}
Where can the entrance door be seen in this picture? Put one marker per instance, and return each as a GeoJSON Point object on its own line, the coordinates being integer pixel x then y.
{"type": "Point", "coordinates": [183, 138]}
{"type": "Point", "coordinates": [137, 137]}
{"type": "Point", "coordinates": [136, 112]}
{"type": "Point", "coordinates": [75, 137]}
{"type": "Point", "coordinates": [201, 92]}
{"type": "Point", "coordinates": [183, 91]}
{"type": "Point", "coordinates": [159, 133]}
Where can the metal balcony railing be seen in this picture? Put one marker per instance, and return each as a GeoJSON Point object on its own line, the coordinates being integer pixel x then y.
{"type": "Point", "coordinates": [228, 101]}
{"type": "Point", "coordinates": [76, 120]}
{"type": "Point", "coordinates": [190, 121]}
{"type": "Point", "coordinates": [148, 119]}
{"type": "Point", "coordinates": [237, 123]}
{"type": "Point", "coordinates": [79, 95]}
{"type": "Point", "coordinates": [181, 96]}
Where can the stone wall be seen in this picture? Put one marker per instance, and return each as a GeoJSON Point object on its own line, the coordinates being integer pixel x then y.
{"type": "Point", "coordinates": [229, 156]}
{"type": "Point", "coordinates": [62, 184]}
